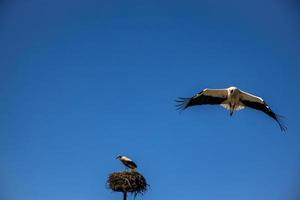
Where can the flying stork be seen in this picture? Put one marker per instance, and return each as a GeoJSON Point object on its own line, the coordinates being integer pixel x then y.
{"type": "Point", "coordinates": [127, 162]}
{"type": "Point", "coordinates": [232, 99]}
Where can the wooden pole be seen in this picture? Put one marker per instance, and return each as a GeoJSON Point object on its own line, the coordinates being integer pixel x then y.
{"type": "Point", "coordinates": [124, 195]}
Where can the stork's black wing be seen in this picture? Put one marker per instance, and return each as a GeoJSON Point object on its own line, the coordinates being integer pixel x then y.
{"type": "Point", "coordinates": [211, 97]}
{"type": "Point", "coordinates": [263, 106]}
{"type": "Point", "coordinates": [130, 164]}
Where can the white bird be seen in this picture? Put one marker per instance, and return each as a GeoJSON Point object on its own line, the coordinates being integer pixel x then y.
{"type": "Point", "coordinates": [232, 99]}
{"type": "Point", "coordinates": [127, 162]}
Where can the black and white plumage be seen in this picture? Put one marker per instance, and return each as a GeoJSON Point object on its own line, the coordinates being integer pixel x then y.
{"type": "Point", "coordinates": [127, 162]}
{"type": "Point", "coordinates": [232, 99]}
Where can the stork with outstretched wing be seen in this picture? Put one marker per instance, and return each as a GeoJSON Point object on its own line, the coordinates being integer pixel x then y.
{"type": "Point", "coordinates": [232, 99]}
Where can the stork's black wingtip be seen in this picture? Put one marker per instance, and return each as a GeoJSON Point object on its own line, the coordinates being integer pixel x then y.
{"type": "Point", "coordinates": [279, 119]}
{"type": "Point", "coordinates": [283, 129]}
{"type": "Point", "coordinates": [181, 104]}
{"type": "Point", "coordinates": [179, 108]}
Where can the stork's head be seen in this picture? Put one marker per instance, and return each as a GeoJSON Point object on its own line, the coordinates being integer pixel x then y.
{"type": "Point", "coordinates": [119, 157]}
{"type": "Point", "coordinates": [232, 89]}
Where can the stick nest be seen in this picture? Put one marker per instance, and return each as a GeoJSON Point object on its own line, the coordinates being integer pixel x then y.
{"type": "Point", "coordinates": [132, 182]}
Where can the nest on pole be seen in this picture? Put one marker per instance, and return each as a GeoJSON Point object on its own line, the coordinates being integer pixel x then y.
{"type": "Point", "coordinates": [132, 182]}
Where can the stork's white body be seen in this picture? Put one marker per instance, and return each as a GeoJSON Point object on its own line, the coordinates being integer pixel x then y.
{"type": "Point", "coordinates": [233, 100]}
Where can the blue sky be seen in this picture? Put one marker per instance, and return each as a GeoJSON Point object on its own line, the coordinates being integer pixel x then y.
{"type": "Point", "coordinates": [84, 81]}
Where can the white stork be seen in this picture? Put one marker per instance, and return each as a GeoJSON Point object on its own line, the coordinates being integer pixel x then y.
{"type": "Point", "coordinates": [232, 99]}
{"type": "Point", "coordinates": [127, 162]}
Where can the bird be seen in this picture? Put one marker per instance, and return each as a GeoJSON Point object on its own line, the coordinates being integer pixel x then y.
{"type": "Point", "coordinates": [231, 98]}
{"type": "Point", "coordinates": [127, 162]}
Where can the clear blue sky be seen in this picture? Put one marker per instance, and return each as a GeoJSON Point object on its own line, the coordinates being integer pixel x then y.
{"type": "Point", "coordinates": [84, 81]}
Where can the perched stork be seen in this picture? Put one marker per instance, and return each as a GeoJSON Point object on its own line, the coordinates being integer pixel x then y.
{"type": "Point", "coordinates": [232, 99]}
{"type": "Point", "coordinates": [127, 162]}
